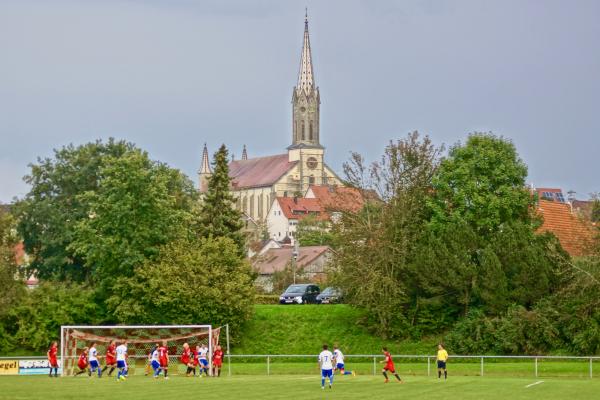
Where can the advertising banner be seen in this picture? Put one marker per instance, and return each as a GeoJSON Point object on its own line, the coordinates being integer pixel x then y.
{"type": "Point", "coordinates": [9, 367]}
{"type": "Point", "coordinates": [35, 367]}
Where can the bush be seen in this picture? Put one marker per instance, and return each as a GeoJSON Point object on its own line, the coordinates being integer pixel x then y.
{"type": "Point", "coordinates": [267, 299]}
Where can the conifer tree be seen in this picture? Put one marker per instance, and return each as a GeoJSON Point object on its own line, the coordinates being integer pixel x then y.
{"type": "Point", "coordinates": [218, 217]}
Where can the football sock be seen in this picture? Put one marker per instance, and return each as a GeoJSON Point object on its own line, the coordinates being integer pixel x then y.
{"type": "Point", "coordinates": [118, 374]}
{"type": "Point", "coordinates": [80, 372]}
{"type": "Point", "coordinates": [166, 371]}
{"type": "Point", "coordinates": [89, 372]}
{"type": "Point", "coordinates": [445, 374]}
{"type": "Point", "coordinates": [219, 373]}
{"type": "Point", "coordinates": [322, 382]}
{"type": "Point", "coordinates": [111, 370]}
{"type": "Point", "coordinates": [99, 372]}
{"type": "Point", "coordinates": [347, 372]}
{"type": "Point", "coordinates": [55, 372]}
{"type": "Point", "coordinates": [385, 374]}
{"type": "Point", "coordinates": [397, 377]}
{"type": "Point", "coordinates": [331, 380]}
{"type": "Point", "coordinates": [439, 374]}
{"type": "Point", "coordinates": [194, 370]}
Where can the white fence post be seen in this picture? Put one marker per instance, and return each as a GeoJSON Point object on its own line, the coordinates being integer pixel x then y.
{"type": "Point", "coordinates": [268, 365]}
{"type": "Point", "coordinates": [481, 366]}
{"type": "Point", "coordinates": [374, 366]}
{"type": "Point", "coordinates": [536, 367]}
{"type": "Point", "coordinates": [428, 366]}
{"type": "Point", "coordinates": [591, 376]}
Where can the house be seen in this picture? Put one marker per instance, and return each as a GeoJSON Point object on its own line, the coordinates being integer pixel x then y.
{"type": "Point", "coordinates": [550, 194]}
{"type": "Point", "coordinates": [286, 212]}
{"type": "Point", "coordinates": [259, 247]}
{"type": "Point", "coordinates": [574, 233]}
{"type": "Point", "coordinates": [311, 263]}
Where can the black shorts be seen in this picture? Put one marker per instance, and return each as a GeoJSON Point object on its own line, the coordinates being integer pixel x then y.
{"type": "Point", "coordinates": [441, 364]}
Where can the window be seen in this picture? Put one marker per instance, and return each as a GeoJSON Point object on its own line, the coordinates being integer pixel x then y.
{"type": "Point", "coordinates": [303, 135]}
{"type": "Point", "coordinates": [310, 130]}
{"type": "Point", "coordinates": [311, 180]}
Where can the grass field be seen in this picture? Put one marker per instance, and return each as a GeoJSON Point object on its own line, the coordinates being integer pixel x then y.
{"type": "Point", "coordinates": [294, 387]}
{"type": "Point", "coordinates": [302, 329]}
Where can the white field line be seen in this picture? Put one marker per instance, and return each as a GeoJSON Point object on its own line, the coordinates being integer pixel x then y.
{"type": "Point", "coordinates": [533, 384]}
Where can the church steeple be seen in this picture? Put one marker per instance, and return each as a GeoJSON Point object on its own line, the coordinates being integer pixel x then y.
{"type": "Point", "coordinates": [205, 171]}
{"type": "Point", "coordinates": [244, 153]}
{"type": "Point", "coordinates": [305, 99]}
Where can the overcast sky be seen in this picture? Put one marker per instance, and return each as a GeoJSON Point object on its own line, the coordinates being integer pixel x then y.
{"type": "Point", "coordinates": [170, 75]}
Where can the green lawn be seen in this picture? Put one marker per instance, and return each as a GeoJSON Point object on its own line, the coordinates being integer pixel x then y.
{"type": "Point", "coordinates": [302, 329]}
{"type": "Point", "coordinates": [294, 387]}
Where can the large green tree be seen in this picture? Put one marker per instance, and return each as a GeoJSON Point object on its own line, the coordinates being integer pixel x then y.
{"type": "Point", "coordinates": [373, 264]}
{"type": "Point", "coordinates": [482, 183]}
{"type": "Point", "coordinates": [218, 217]}
{"type": "Point", "coordinates": [138, 206]}
{"type": "Point", "coordinates": [191, 281]}
{"type": "Point", "coordinates": [12, 287]}
{"type": "Point", "coordinates": [49, 213]}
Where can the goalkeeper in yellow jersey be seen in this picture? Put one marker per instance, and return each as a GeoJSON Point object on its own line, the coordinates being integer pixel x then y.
{"type": "Point", "coordinates": [442, 358]}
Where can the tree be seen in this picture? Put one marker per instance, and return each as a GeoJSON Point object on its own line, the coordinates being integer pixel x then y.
{"type": "Point", "coordinates": [138, 206]}
{"type": "Point", "coordinates": [12, 288]}
{"type": "Point", "coordinates": [48, 214]}
{"type": "Point", "coordinates": [191, 281]}
{"type": "Point", "coordinates": [373, 264]}
{"type": "Point", "coordinates": [218, 217]}
{"type": "Point", "coordinates": [314, 232]}
{"type": "Point", "coordinates": [482, 183]}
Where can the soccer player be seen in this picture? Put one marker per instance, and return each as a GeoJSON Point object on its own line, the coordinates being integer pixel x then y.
{"type": "Point", "coordinates": [326, 365]}
{"type": "Point", "coordinates": [82, 363]}
{"type": "Point", "coordinates": [217, 361]}
{"type": "Point", "coordinates": [442, 357]}
{"type": "Point", "coordinates": [155, 361]}
{"type": "Point", "coordinates": [338, 356]}
{"type": "Point", "coordinates": [111, 357]}
{"type": "Point", "coordinates": [202, 358]}
{"type": "Point", "coordinates": [187, 358]}
{"type": "Point", "coordinates": [94, 363]}
{"type": "Point", "coordinates": [122, 361]}
{"type": "Point", "coordinates": [163, 358]}
{"type": "Point", "coordinates": [389, 365]}
{"type": "Point", "coordinates": [52, 359]}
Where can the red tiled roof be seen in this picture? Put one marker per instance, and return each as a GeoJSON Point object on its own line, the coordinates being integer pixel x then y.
{"type": "Point", "coordinates": [274, 260]}
{"type": "Point", "coordinates": [300, 207]}
{"type": "Point", "coordinates": [574, 234]}
{"type": "Point", "coordinates": [338, 198]}
{"type": "Point", "coordinates": [257, 172]}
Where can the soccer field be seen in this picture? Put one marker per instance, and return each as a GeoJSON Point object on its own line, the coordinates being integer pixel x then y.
{"type": "Point", "coordinates": [295, 387]}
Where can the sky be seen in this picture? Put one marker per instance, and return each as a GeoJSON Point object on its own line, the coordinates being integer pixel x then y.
{"type": "Point", "coordinates": [171, 75]}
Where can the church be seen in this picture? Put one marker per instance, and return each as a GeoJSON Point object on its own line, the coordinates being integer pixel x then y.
{"type": "Point", "coordinates": [257, 182]}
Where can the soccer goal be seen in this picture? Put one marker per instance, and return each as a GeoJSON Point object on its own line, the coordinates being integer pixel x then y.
{"type": "Point", "coordinates": [140, 341]}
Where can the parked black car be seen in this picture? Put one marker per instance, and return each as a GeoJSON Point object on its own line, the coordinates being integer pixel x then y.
{"type": "Point", "coordinates": [330, 295]}
{"type": "Point", "coordinates": [300, 294]}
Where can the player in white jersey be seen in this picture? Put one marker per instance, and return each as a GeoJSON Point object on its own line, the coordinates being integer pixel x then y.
{"type": "Point", "coordinates": [93, 359]}
{"type": "Point", "coordinates": [339, 361]}
{"type": "Point", "coordinates": [122, 361]}
{"type": "Point", "coordinates": [154, 362]}
{"type": "Point", "coordinates": [202, 359]}
{"type": "Point", "coordinates": [326, 364]}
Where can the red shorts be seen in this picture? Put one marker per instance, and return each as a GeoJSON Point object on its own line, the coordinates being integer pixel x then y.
{"type": "Point", "coordinates": [164, 363]}
{"type": "Point", "coordinates": [390, 367]}
{"type": "Point", "coordinates": [81, 365]}
{"type": "Point", "coordinates": [217, 363]}
{"type": "Point", "coordinates": [53, 363]}
{"type": "Point", "coordinates": [110, 361]}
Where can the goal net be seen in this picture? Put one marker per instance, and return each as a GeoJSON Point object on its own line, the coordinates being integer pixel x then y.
{"type": "Point", "coordinates": [140, 341]}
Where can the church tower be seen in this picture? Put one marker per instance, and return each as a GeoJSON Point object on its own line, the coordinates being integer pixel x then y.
{"type": "Point", "coordinates": [306, 147]}
{"type": "Point", "coordinates": [305, 100]}
{"type": "Point", "coordinates": [205, 171]}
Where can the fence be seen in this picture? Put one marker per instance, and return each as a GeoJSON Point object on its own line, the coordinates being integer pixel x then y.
{"type": "Point", "coordinates": [366, 364]}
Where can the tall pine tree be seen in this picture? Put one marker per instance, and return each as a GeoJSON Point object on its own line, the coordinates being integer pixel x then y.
{"type": "Point", "coordinates": [218, 217]}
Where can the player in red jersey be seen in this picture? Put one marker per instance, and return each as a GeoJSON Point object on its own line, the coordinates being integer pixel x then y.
{"type": "Point", "coordinates": [52, 358]}
{"type": "Point", "coordinates": [163, 358]}
{"type": "Point", "coordinates": [389, 365]}
{"type": "Point", "coordinates": [82, 363]}
{"type": "Point", "coordinates": [187, 358]}
{"type": "Point", "coordinates": [217, 361]}
{"type": "Point", "coordinates": [111, 357]}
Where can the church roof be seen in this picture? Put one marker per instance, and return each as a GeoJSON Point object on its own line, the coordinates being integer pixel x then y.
{"type": "Point", "coordinates": [260, 171]}
{"type": "Point", "coordinates": [338, 198]}
{"type": "Point", "coordinates": [301, 207]}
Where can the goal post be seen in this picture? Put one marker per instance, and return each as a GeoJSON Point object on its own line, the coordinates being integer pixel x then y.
{"type": "Point", "coordinates": [140, 341]}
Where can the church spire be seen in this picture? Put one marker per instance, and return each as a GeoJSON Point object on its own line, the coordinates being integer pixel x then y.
{"type": "Point", "coordinates": [205, 166]}
{"type": "Point", "coordinates": [305, 76]}
{"type": "Point", "coordinates": [306, 100]}
{"type": "Point", "coordinates": [244, 153]}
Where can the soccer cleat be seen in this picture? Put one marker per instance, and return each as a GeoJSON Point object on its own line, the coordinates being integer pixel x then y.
{"type": "Point", "coordinates": [323, 387]}
{"type": "Point", "coordinates": [166, 377]}
{"type": "Point", "coordinates": [386, 381]}
{"type": "Point", "coordinates": [330, 386]}
{"type": "Point", "coordinates": [353, 373]}
{"type": "Point", "coordinates": [122, 377]}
